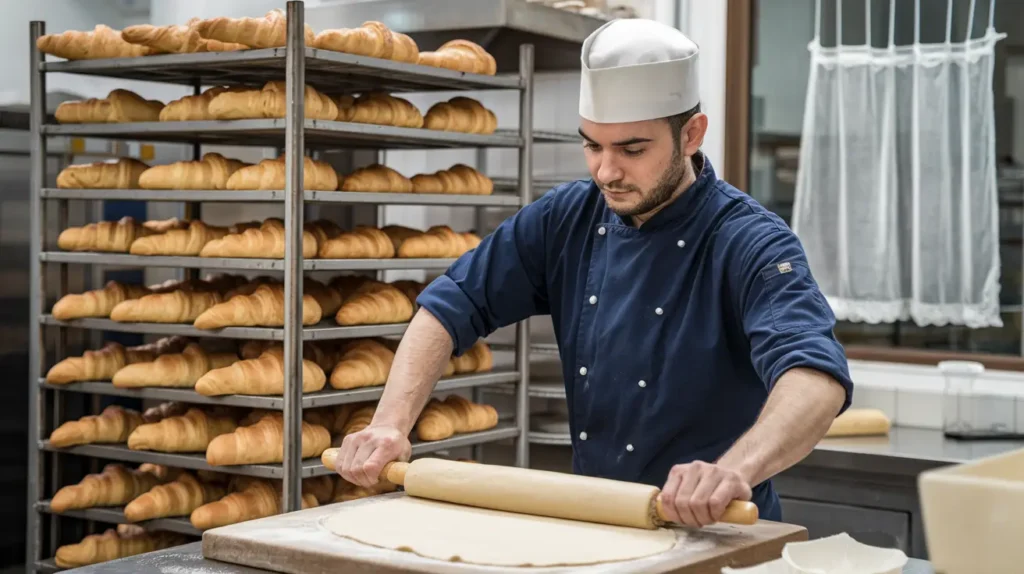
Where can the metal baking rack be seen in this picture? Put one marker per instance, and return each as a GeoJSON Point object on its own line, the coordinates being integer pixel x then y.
{"type": "Point", "coordinates": [297, 65]}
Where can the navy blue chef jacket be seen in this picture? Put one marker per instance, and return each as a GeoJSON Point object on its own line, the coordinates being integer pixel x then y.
{"type": "Point", "coordinates": [671, 335]}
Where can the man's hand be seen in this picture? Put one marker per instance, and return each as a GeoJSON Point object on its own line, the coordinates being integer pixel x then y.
{"type": "Point", "coordinates": [363, 454]}
{"type": "Point", "coordinates": [696, 494]}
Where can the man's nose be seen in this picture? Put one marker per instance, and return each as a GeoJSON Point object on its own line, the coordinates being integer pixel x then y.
{"type": "Point", "coordinates": [609, 170]}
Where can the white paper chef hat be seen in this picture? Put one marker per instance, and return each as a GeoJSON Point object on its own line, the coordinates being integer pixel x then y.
{"type": "Point", "coordinates": [635, 70]}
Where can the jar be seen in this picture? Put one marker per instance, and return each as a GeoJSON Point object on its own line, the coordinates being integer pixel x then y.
{"type": "Point", "coordinates": [957, 401]}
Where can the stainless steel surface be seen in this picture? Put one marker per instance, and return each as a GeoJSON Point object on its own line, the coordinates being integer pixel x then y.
{"type": "Point", "coordinates": [325, 330]}
{"type": "Point", "coordinates": [276, 196]}
{"type": "Point", "coordinates": [323, 398]}
{"type": "Point", "coordinates": [270, 132]}
{"type": "Point", "coordinates": [189, 558]}
{"type": "Point", "coordinates": [329, 71]}
{"type": "Point", "coordinates": [295, 78]}
{"type": "Point", "coordinates": [126, 260]}
{"type": "Point", "coordinates": [500, 26]}
{"type": "Point", "coordinates": [526, 62]}
{"type": "Point", "coordinates": [882, 528]}
{"type": "Point", "coordinates": [549, 438]}
{"type": "Point", "coordinates": [115, 515]}
{"type": "Point", "coordinates": [37, 179]}
{"type": "Point", "coordinates": [905, 451]}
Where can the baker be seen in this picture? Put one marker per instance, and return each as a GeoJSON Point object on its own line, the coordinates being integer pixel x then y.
{"type": "Point", "coordinates": [698, 352]}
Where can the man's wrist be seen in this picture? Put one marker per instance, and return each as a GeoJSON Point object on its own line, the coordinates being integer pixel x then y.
{"type": "Point", "coordinates": [745, 468]}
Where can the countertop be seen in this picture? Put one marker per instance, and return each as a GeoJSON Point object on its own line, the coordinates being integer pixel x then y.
{"type": "Point", "coordinates": [906, 450]}
{"type": "Point", "coordinates": [188, 558]}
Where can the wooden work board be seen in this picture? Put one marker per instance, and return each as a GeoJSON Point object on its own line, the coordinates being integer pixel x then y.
{"type": "Point", "coordinates": [298, 543]}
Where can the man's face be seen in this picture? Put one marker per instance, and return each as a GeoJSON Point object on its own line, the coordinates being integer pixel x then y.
{"type": "Point", "coordinates": [637, 165]}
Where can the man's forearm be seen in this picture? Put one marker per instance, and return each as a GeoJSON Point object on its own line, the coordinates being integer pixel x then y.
{"type": "Point", "coordinates": [799, 410]}
{"type": "Point", "coordinates": [419, 362]}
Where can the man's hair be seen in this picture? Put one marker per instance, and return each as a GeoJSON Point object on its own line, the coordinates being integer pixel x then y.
{"type": "Point", "coordinates": [676, 122]}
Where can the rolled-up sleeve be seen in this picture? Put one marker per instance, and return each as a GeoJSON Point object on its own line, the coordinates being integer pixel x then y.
{"type": "Point", "coordinates": [787, 320]}
{"type": "Point", "coordinates": [501, 281]}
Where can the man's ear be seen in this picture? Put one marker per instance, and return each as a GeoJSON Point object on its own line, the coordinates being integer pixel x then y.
{"type": "Point", "coordinates": [693, 134]}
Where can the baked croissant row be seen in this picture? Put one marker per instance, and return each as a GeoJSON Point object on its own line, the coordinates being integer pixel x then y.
{"type": "Point", "coordinates": [99, 43]}
{"type": "Point", "coordinates": [122, 173]}
{"type": "Point", "coordinates": [252, 499]}
{"type": "Point", "coordinates": [454, 415]}
{"type": "Point", "coordinates": [190, 432]}
{"type": "Point", "coordinates": [182, 369]}
{"type": "Point", "coordinates": [439, 241]}
{"type": "Point", "coordinates": [97, 548]}
{"type": "Point", "coordinates": [120, 106]}
{"type": "Point", "coordinates": [263, 442]}
{"type": "Point", "coordinates": [179, 497]}
{"type": "Point", "coordinates": [263, 375]}
{"type": "Point", "coordinates": [372, 39]}
{"type": "Point", "coordinates": [103, 364]}
{"type": "Point", "coordinates": [210, 172]}
{"type": "Point", "coordinates": [269, 102]}
{"type": "Point", "coordinates": [270, 174]}
{"type": "Point", "coordinates": [380, 109]}
{"type": "Point", "coordinates": [115, 486]}
{"type": "Point", "coordinates": [113, 425]}
{"type": "Point", "coordinates": [270, 31]}
{"type": "Point", "coordinates": [175, 39]}
{"type": "Point", "coordinates": [462, 56]}
{"type": "Point", "coordinates": [461, 114]}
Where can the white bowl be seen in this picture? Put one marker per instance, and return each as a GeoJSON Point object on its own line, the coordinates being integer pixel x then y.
{"type": "Point", "coordinates": [841, 554]}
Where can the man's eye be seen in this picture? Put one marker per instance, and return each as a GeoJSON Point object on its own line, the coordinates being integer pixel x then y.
{"type": "Point", "coordinates": [632, 152]}
{"type": "Point", "coordinates": [592, 146]}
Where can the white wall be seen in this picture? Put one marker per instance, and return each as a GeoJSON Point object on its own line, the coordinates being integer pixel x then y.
{"type": "Point", "coordinates": [704, 23]}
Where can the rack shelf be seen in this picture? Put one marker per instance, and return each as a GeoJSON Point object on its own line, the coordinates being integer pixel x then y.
{"type": "Point", "coordinates": [549, 438]}
{"type": "Point", "coordinates": [242, 264]}
{"type": "Point", "coordinates": [309, 400]}
{"type": "Point", "coordinates": [115, 515]}
{"type": "Point", "coordinates": [323, 331]}
{"type": "Point", "coordinates": [537, 390]}
{"type": "Point", "coordinates": [329, 71]}
{"type": "Point", "coordinates": [277, 196]}
{"type": "Point", "coordinates": [47, 566]}
{"type": "Point", "coordinates": [271, 132]}
{"type": "Point", "coordinates": [310, 466]}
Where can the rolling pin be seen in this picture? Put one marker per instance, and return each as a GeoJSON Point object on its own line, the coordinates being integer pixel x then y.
{"type": "Point", "coordinates": [538, 492]}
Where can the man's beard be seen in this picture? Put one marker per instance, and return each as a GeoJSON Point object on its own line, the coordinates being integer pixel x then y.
{"type": "Point", "coordinates": [661, 193]}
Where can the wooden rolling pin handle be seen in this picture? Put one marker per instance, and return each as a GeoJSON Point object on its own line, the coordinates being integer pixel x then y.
{"type": "Point", "coordinates": [737, 512]}
{"type": "Point", "coordinates": [393, 472]}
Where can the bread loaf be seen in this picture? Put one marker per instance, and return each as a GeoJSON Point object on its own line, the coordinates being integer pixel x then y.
{"type": "Point", "coordinates": [461, 56]}
{"type": "Point", "coordinates": [270, 174]}
{"type": "Point", "coordinates": [380, 109]}
{"type": "Point", "coordinates": [122, 173]}
{"type": "Point", "coordinates": [376, 178]}
{"type": "Point", "coordinates": [372, 39]}
{"type": "Point", "coordinates": [210, 172]}
{"type": "Point", "coordinates": [120, 106]}
{"type": "Point", "coordinates": [110, 545]}
{"type": "Point", "coordinates": [175, 39]}
{"type": "Point", "coordinates": [104, 236]}
{"type": "Point", "coordinates": [458, 179]}
{"type": "Point", "coordinates": [263, 443]}
{"type": "Point", "coordinates": [269, 102]}
{"type": "Point", "coordinates": [270, 31]}
{"type": "Point", "coordinates": [261, 376]}
{"type": "Point", "coordinates": [263, 308]}
{"type": "Point", "coordinates": [461, 114]}
{"type": "Point", "coordinates": [382, 305]}
{"type": "Point", "coordinates": [99, 43]}
{"type": "Point", "coordinates": [363, 364]}
{"type": "Point", "coordinates": [96, 303]}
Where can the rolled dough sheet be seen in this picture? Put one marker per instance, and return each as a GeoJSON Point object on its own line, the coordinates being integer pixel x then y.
{"type": "Point", "coordinates": [456, 533]}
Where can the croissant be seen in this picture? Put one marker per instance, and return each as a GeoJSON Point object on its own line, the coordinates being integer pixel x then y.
{"type": "Point", "coordinates": [328, 298]}
{"type": "Point", "coordinates": [120, 106]}
{"type": "Point", "coordinates": [364, 364]}
{"type": "Point", "coordinates": [266, 241]}
{"type": "Point", "coordinates": [97, 365]}
{"type": "Point", "coordinates": [461, 114]}
{"type": "Point", "coordinates": [105, 236]}
{"type": "Point", "coordinates": [263, 308]}
{"type": "Point", "coordinates": [349, 285]}
{"type": "Point", "coordinates": [269, 102]}
{"type": "Point", "coordinates": [270, 31]}
{"type": "Point", "coordinates": [115, 486]}
{"type": "Point", "coordinates": [113, 425]}
{"type": "Point", "coordinates": [384, 306]}
{"type": "Point", "coordinates": [263, 442]}
{"type": "Point", "coordinates": [175, 39]}
{"type": "Point", "coordinates": [360, 243]}
{"type": "Point", "coordinates": [270, 174]}
{"type": "Point", "coordinates": [182, 242]}
{"type": "Point", "coordinates": [321, 487]}
{"type": "Point", "coordinates": [164, 473]}
{"type": "Point", "coordinates": [470, 416]}
{"type": "Point", "coordinates": [372, 39]}
{"type": "Point", "coordinates": [211, 172]}
{"type": "Point", "coordinates": [97, 548]}
{"type": "Point", "coordinates": [99, 43]}
{"type": "Point", "coordinates": [122, 173]}
{"type": "Point", "coordinates": [478, 359]}
{"type": "Point", "coordinates": [176, 370]}
{"type": "Point", "coordinates": [177, 498]}
{"type": "Point", "coordinates": [461, 56]}
{"type": "Point", "coordinates": [376, 178]}
{"type": "Point", "coordinates": [436, 422]}
{"type": "Point", "coordinates": [260, 376]}
{"type": "Point", "coordinates": [96, 303]}
{"type": "Point", "coordinates": [182, 306]}
{"type": "Point", "coordinates": [380, 109]}
{"type": "Point", "coordinates": [410, 289]}
{"type": "Point", "coordinates": [458, 179]}
{"type": "Point", "coordinates": [258, 499]}
{"type": "Point", "coordinates": [438, 242]}
{"type": "Point", "coordinates": [191, 432]}
{"type": "Point", "coordinates": [359, 420]}
{"type": "Point", "coordinates": [165, 411]}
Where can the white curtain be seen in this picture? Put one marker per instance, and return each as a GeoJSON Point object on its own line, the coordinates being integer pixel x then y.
{"type": "Point", "coordinates": [896, 196]}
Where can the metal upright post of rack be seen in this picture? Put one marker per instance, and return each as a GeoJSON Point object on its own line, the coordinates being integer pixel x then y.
{"type": "Point", "coordinates": [295, 111]}
{"type": "Point", "coordinates": [301, 66]}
